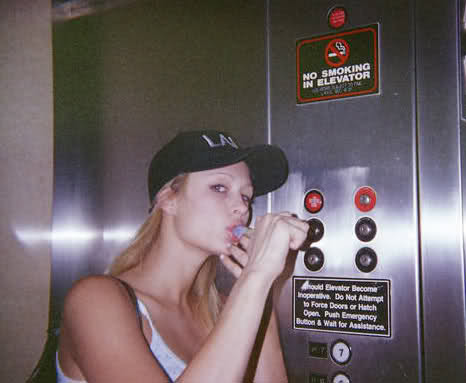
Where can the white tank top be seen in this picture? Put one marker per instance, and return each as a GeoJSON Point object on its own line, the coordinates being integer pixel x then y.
{"type": "Point", "coordinates": [168, 361]}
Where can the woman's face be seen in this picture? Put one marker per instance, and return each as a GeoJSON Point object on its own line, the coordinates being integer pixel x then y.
{"type": "Point", "coordinates": [211, 204]}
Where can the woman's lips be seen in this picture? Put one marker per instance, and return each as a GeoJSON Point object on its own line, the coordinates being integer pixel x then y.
{"type": "Point", "coordinates": [239, 230]}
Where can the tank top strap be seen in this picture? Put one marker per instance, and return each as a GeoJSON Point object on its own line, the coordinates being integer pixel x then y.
{"type": "Point", "coordinates": [168, 360]}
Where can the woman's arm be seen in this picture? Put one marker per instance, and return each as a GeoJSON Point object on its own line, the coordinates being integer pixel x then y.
{"type": "Point", "coordinates": [101, 331]}
{"type": "Point", "coordinates": [271, 365]}
{"type": "Point", "coordinates": [266, 362]}
{"type": "Point", "coordinates": [106, 341]}
{"type": "Point", "coordinates": [226, 354]}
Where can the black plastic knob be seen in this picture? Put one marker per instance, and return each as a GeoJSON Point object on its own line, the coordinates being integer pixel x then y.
{"type": "Point", "coordinates": [366, 259]}
{"type": "Point", "coordinates": [316, 230]}
{"type": "Point", "coordinates": [365, 229]}
{"type": "Point", "coordinates": [314, 259]}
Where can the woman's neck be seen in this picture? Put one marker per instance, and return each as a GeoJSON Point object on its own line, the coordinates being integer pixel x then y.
{"type": "Point", "coordinates": [169, 270]}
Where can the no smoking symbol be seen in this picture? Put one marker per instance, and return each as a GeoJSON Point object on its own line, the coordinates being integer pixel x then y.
{"type": "Point", "coordinates": [337, 52]}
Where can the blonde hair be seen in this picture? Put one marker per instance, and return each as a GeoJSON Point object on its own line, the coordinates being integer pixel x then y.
{"type": "Point", "coordinates": [206, 302]}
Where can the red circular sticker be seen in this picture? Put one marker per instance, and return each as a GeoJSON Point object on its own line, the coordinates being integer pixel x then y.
{"type": "Point", "coordinates": [365, 198]}
{"type": "Point", "coordinates": [313, 201]}
{"type": "Point", "coordinates": [337, 17]}
{"type": "Point", "coordinates": [337, 52]}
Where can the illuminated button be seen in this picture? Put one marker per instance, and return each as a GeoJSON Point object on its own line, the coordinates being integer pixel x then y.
{"type": "Point", "coordinates": [365, 229]}
{"type": "Point", "coordinates": [366, 259]}
{"type": "Point", "coordinates": [341, 352]}
{"type": "Point", "coordinates": [337, 17]}
{"type": "Point", "coordinates": [314, 259]}
{"type": "Point", "coordinates": [341, 378]}
{"type": "Point", "coordinates": [365, 198]}
{"type": "Point", "coordinates": [313, 201]}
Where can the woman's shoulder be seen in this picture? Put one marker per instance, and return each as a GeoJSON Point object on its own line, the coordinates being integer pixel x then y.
{"type": "Point", "coordinates": [97, 285]}
{"type": "Point", "coordinates": [101, 332]}
{"type": "Point", "coordinates": [96, 295]}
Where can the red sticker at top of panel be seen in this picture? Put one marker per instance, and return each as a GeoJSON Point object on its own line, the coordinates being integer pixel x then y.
{"type": "Point", "coordinates": [337, 17]}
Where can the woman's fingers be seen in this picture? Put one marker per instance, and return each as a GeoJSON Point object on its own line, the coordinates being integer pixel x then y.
{"type": "Point", "coordinates": [274, 235]}
{"type": "Point", "coordinates": [265, 247]}
{"type": "Point", "coordinates": [298, 230]}
{"type": "Point", "coordinates": [245, 239]}
{"type": "Point", "coordinates": [235, 263]}
{"type": "Point", "coordinates": [239, 255]}
{"type": "Point", "coordinates": [231, 266]}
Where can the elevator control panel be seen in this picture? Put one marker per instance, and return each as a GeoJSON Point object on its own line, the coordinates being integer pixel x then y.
{"type": "Point", "coordinates": [341, 305]}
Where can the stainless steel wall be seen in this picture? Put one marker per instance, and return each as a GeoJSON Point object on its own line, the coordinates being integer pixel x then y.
{"type": "Point", "coordinates": [126, 80]}
{"type": "Point", "coordinates": [440, 105]}
{"type": "Point", "coordinates": [402, 141]}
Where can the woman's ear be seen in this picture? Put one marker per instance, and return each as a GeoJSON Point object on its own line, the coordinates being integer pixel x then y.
{"type": "Point", "coordinates": [166, 200]}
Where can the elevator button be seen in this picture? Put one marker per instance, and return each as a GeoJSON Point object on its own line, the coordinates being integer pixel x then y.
{"type": "Point", "coordinates": [341, 378]}
{"type": "Point", "coordinates": [314, 259]}
{"type": "Point", "coordinates": [341, 352]}
{"type": "Point", "coordinates": [316, 230]}
{"type": "Point", "coordinates": [366, 259]}
{"type": "Point", "coordinates": [313, 201]}
{"type": "Point", "coordinates": [365, 229]}
{"type": "Point", "coordinates": [365, 198]}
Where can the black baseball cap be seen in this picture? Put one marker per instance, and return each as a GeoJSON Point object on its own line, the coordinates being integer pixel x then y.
{"type": "Point", "coordinates": [194, 151]}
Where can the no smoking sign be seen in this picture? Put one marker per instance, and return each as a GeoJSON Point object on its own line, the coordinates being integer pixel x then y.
{"type": "Point", "coordinates": [337, 52]}
{"type": "Point", "coordinates": [338, 65]}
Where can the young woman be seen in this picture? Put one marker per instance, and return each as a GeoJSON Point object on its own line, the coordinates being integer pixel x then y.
{"type": "Point", "coordinates": [201, 185]}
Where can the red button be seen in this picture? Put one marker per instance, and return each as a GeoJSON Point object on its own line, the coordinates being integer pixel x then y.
{"type": "Point", "coordinates": [365, 198]}
{"type": "Point", "coordinates": [337, 17]}
{"type": "Point", "coordinates": [313, 202]}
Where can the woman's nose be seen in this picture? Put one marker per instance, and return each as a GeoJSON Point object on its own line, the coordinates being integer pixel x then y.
{"type": "Point", "coordinates": [240, 206]}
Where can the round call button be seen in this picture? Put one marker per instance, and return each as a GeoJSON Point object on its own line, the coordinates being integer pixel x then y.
{"type": "Point", "coordinates": [313, 201]}
{"type": "Point", "coordinates": [365, 198]}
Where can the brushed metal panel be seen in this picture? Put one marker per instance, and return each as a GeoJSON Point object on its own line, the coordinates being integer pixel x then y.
{"type": "Point", "coordinates": [336, 147]}
{"type": "Point", "coordinates": [126, 81]}
{"type": "Point", "coordinates": [440, 177]}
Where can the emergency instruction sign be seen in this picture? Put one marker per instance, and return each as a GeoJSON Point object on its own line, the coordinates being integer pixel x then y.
{"type": "Point", "coordinates": [354, 306]}
{"type": "Point", "coordinates": [338, 65]}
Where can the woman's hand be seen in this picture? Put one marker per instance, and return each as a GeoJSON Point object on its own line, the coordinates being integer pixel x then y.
{"type": "Point", "coordinates": [238, 256]}
{"type": "Point", "coordinates": [265, 248]}
{"type": "Point", "coordinates": [274, 236]}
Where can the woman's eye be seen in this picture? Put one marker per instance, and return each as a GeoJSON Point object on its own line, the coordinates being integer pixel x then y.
{"type": "Point", "coordinates": [219, 188]}
{"type": "Point", "coordinates": [247, 199]}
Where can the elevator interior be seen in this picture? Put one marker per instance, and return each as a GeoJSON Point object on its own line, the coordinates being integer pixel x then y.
{"type": "Point", "coordinates": [376, 160]}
